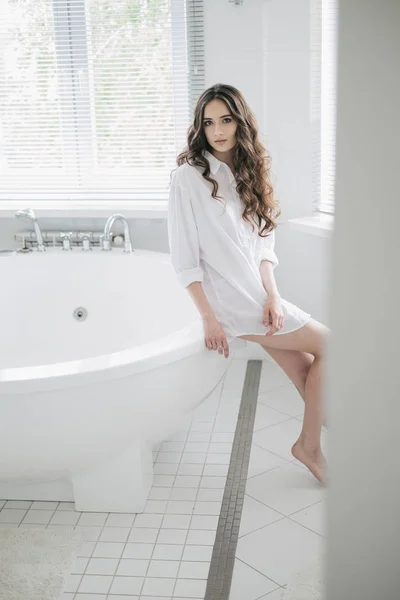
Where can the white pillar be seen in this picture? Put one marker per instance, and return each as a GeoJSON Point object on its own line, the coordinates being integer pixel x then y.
{"type": "Point", "coordinates": [364, 368]}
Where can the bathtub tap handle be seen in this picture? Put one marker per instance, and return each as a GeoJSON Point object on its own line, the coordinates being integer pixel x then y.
{"type": "Point", "coordinates": [85, 237]}
{"type": "Point", "coordinates": [66, 240]}
{"type": "Point", "coordinates": [105, 243]}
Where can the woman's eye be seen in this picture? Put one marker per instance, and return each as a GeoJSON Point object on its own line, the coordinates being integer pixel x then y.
{"type": "Point", "coordinates": [226, 120]}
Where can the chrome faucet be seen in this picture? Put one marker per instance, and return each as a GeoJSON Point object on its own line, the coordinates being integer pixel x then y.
{"type": "Point", "coordinates": [28, 213]}
{"type": "Point", "coordinates": [65, 237]}
{"type": "Point", "coordinates": [85, 238]}
{"type": "Point", "coordinates": [107, 233]}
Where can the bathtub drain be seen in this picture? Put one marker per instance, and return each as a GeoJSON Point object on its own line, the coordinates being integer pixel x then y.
{"type": "Point", "coordinates": [80, 313]}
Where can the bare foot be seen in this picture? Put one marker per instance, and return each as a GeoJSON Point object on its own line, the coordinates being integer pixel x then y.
{"type": "Point", "coordinates": [315, 462]}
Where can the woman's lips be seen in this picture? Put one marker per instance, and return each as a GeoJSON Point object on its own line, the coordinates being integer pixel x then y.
{"type": "Point", "coordinates": [221, 142]}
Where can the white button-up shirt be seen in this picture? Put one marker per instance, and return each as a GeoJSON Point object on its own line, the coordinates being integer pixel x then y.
{"type": "Point", "coordinates": [211, 243]}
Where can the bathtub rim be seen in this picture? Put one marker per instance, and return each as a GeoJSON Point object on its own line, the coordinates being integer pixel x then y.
{"type": "Point", "coordinates": [176, 345]}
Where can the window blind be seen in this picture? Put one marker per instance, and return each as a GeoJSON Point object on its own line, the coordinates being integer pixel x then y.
{"type": "Point", "coordinates": [324, 20]}
{"type": "Point", "coordinates": [96, 95]}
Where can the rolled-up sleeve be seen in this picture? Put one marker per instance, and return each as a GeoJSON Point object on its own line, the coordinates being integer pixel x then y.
{"type": "Point", "coordinates": [267, 249]}
{"type": "Point", "coordinates": [182, 234]}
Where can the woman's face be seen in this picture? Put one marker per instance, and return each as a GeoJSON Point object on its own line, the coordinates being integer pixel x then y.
{"type": "Point", "coordinates": [219, 126]}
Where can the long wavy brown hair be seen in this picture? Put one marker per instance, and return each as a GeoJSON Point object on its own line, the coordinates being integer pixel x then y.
{"type": "Point", "coordinates": [251, 160]}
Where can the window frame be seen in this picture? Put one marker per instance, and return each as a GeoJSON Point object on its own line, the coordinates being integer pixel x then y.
{"type": "Point", "coordinates": [323, 92]}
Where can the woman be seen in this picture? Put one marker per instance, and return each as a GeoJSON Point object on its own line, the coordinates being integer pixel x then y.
{"type": "Point", "coordinates": [221, 221]}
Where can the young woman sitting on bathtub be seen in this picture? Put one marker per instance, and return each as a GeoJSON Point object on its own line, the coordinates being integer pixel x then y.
{"type": "Point", "coordinates": [221, 222]}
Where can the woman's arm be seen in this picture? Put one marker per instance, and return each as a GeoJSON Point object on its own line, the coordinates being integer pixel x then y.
{"type": "Point", "coordinates": [184, 245]}
{"type": "Point", "coordinates": [268, 263]}
{"type": "Point", "coordinates": [182, 234]}
{"type": "Point", "coordinates": [268, 278]}
{"type": "Point", "coordinates": [198, 296]}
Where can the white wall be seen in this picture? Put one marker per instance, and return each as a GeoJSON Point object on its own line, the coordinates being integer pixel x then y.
{"type": "Point", "coordinates": [262, 48]}
{"type": "Point", "coordinates": [364, 375]}
{"type": "Point", "coordinates": [303, 275]}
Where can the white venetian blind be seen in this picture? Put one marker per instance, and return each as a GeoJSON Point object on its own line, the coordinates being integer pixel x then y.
{"type": "Point", "coordinates": [96, 95]}
{"type": "Point", "coordinates": [324, 21]}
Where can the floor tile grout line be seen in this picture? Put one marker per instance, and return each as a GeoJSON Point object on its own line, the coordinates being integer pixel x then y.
{"type": "Point", "coordinates": [73, 528]}
{"type": "Point", "coordinates": [229, 523]}
{"type": "Point", "coordinates": [122, 553]}
{"type": "Point", "coordinates": [91, 555]}
{"type": "Point", "coordinates": [202, 474]}
{"type": "Point", "coordinates": [308, 506]}
{"type": "Point", "coordinates": [257, 571]}
{"type": "Point", "coordinates": [98, 540]}
{"type": "Point", "coordinates": [269, 593]}
{"type": "Point", "coordinates": [282, 517]}
{"type": "Point", "coordinates": [270, 451]}
{"type": "Point", "coordinates": [165, 514]}
{"type": "Point", "coordinates": [289, 418]}
{"type": "Point", "coordinates": [276, 510]}
{"type": "Point", "coordinates": [160, 527]}
{"type": "Point", "coordinates": [198, 487]}
{"type": "Point", "coordinates": [308, 528]}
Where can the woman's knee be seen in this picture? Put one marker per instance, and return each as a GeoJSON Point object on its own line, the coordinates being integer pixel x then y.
{"type": "Point", "coordinates": [295, 364]}
{"type": "Point", "coordinates": [323, 334]}
{"type": "Point", "coordinates": [316, 336]}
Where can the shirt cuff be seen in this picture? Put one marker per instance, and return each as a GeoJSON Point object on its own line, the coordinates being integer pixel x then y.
{"type": "Point", "coordinates": [267, 254]}
{"type": "Point", "coordinates": [187, 277]}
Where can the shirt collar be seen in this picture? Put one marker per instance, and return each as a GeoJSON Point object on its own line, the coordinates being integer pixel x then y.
{"type": "Point", "coordinates": [214, 162]}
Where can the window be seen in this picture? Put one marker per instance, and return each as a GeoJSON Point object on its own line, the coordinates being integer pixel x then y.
{"type": "Point", "coordinates": [324, 18]}
{"type": "Point", "coordinates": [96, 95]}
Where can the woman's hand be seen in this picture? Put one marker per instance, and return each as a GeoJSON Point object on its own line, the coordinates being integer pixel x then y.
{"type": "Point", "coordinates": [273, 314]}
{"type": "Point", "coordinates": [215, 336]}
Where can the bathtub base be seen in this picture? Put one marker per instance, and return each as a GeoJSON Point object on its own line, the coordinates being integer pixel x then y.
{"type": "Point", "coordinates": [49, 491]}
{"type": "Point", "coordinates": [122, 484]}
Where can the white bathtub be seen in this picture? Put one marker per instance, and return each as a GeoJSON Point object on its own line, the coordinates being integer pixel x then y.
{"type": "Point", "coordinates": [82, 402]}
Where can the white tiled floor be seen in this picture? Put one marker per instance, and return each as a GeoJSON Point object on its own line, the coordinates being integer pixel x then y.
{"type": "Point", "coordinates": [164, 553]}
{"type": "Point", "coordinates": [280, 495]}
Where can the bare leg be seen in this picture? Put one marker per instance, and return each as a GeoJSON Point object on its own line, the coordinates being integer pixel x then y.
{"type": "Point", "coordinates": [295, 364]}
{"type": "Point", "coordinates": [310, 338]}
{"type": "Point", "coordinates": [307, 449]}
